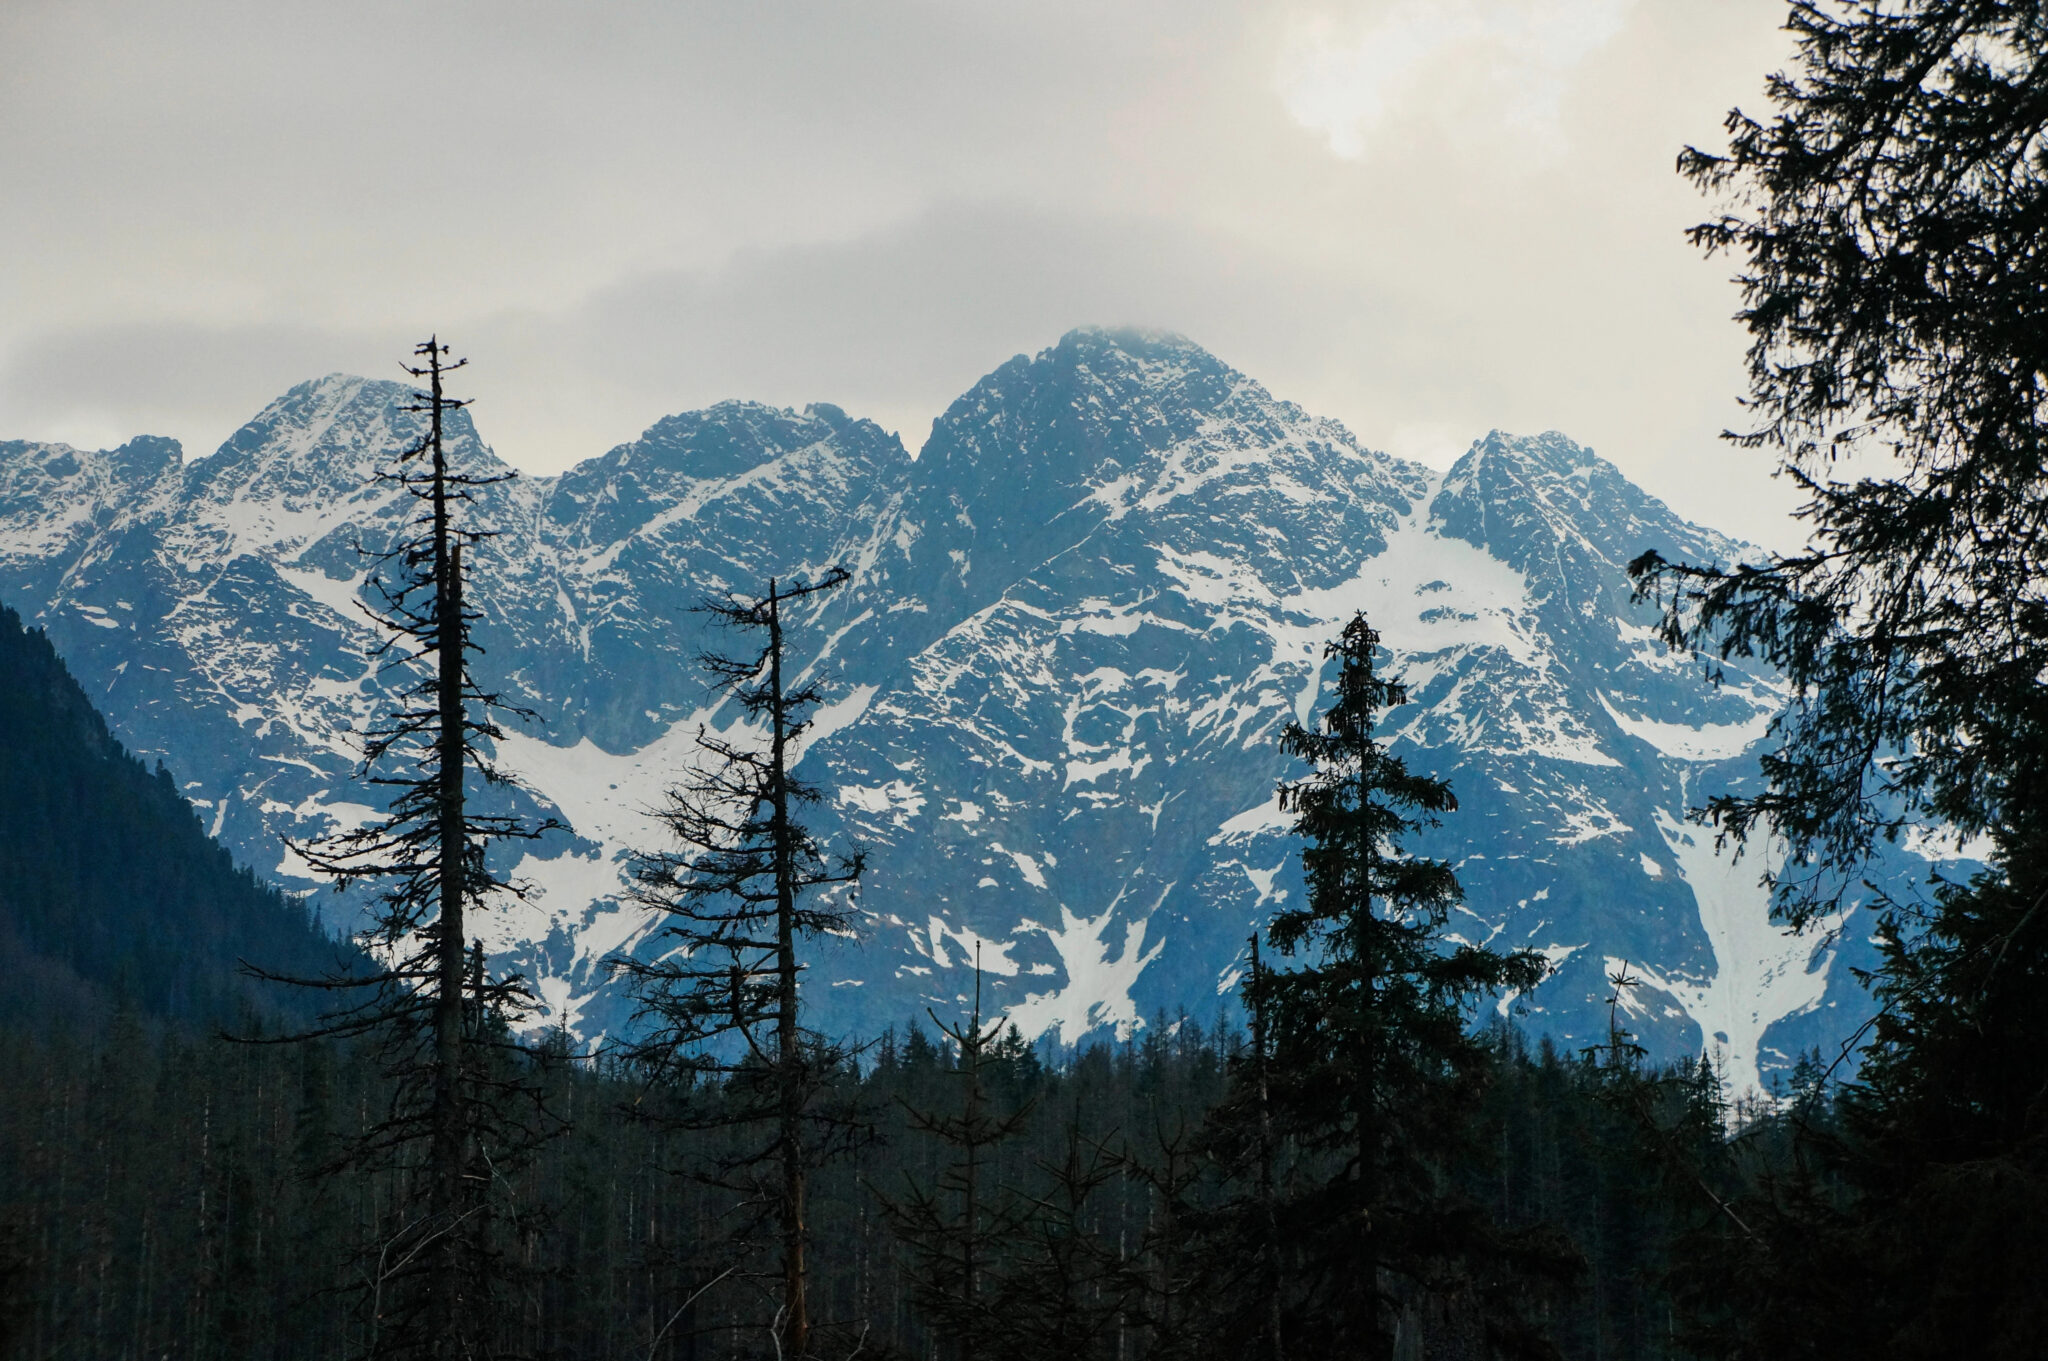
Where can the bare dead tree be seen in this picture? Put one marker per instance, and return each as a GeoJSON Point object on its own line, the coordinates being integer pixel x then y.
{"type": "Point", "coordinates": [744, 890]}
{"type": "Point", "coordinates": [462, 1106]}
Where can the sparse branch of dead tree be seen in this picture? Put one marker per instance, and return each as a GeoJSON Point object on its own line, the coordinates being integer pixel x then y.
{"type": "Point", "coordinates": [746, 891]}
{"type": "Point", "coordinates": [463, 1103]}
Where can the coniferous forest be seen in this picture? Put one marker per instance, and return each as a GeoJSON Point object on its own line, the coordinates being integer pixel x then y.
{"type": "Point", "coordinates": [225, 1134]}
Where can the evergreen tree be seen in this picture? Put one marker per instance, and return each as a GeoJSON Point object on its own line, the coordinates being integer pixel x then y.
{"type": "Point", "coordinates": [1374, 1069]}
{"type": "Point", "coordinates": [1243, 1258]}
{"type": "Point", "coordinates": [950, 1249]}
{"type": "Point", "coordinates": [1063, 1290]}
{"type": "Point", "coordinates": [1889, 217]}
{"type": "Point", "coordinates": [158, 1202]}
{"type": "Point", "coordinates": [462, 1107]}
{"type": "Point", "coordinates": [1175, 1173]}
{"type": "Point", "coordinates": [742, 897]}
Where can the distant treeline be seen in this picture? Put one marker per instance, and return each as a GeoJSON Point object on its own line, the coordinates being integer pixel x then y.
{"type": "Point", "coordinates": [164, 1197]}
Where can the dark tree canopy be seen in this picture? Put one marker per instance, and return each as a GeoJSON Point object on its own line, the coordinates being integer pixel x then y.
{"type": "Point", "coordinates": [952, 1227]}
{"type": "Point", "coordinates": [110, 888]}
{"type": "Point", "coordinates": [1890, 219]}
{"type": "Point", "coordinates": [1375, 1069]}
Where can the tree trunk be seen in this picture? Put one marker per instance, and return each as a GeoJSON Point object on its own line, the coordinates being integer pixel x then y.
{"type": "Point", "coordinates": [1270, 1282]}
{"type": "Point", "coordinates": [796, 1322]}
{"type": "Point", "coordinates": [1365, 947]}
{"type": "Point", "coordinates": [970, 1210]}
{"type": "Point", "coordinates": [450, 1116]}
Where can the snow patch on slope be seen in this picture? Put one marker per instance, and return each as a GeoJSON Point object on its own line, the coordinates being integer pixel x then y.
{"type": "Point", "coordinates": [977, 951]}
{"type": "Point", "coordinates": [339, 596]}
{"type": "Point", "coordinates": [1098, 989]}
{"type": "Point", "coordinates": [608, 799]}
{"type": "Point", "coordinates": [1426, 594]}
{"type": "Point", "coordinates": [1439, 604]}
{"type": "Point", "coordinates": [1684, 742]}
{"type": "Point", "coordinates": [1261, 819]}
{"type": "Point", "coordinates": [1763, 973]}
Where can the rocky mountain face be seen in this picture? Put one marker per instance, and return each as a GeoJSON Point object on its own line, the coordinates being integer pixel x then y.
{"type": "Point", "coordinates": [1078, 621]}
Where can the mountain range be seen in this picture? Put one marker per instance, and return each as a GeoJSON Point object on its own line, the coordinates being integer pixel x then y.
{"type": "Point", "coordinates": [1078, 620]}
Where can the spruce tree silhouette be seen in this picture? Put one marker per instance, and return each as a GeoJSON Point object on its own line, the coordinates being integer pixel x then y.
{"type": "Point", "coordinates": [1373, 1070]}
{"type": "Point", "coordinates": [951, 1249]}
{"type": "Point", "coordinates": [1889, 218]}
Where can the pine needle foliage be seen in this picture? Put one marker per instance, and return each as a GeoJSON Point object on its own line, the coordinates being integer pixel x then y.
{"type": "Point", "coordinates": [1373, 1070]}
{"type": "Point", "coordinates": [955, 1228]}
{"type": "Point", "coordinates": [1064, 1289]}
{"type": "Point", "coordinates": [1891, 220]}
{"type": "Point", "coordinates": [1890, 217]}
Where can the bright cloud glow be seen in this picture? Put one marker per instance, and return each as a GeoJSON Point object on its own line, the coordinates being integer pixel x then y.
{"type": "Point", "coordinates": [1479, 68]}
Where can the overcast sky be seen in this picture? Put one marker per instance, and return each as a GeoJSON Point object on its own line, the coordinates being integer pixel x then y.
{"type": "Point", "coordinates": [1428, 218]}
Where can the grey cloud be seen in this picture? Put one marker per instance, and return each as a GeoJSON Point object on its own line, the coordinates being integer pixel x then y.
{"type": "Point", "coordinates": [624, 208]}
{"type": "Point", "coordinates": [192, 382]}
{"type": "Point", "coordinates": [910, 317]}
{"type": "Point", "coordinates": [896, 323]}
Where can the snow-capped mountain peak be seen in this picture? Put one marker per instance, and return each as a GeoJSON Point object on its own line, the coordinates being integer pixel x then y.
{"type": "Point", "coordinates": [1079, 619]}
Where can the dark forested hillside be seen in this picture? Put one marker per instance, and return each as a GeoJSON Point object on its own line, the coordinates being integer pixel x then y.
{"type": "Point", "coordinates": [111, 893]}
